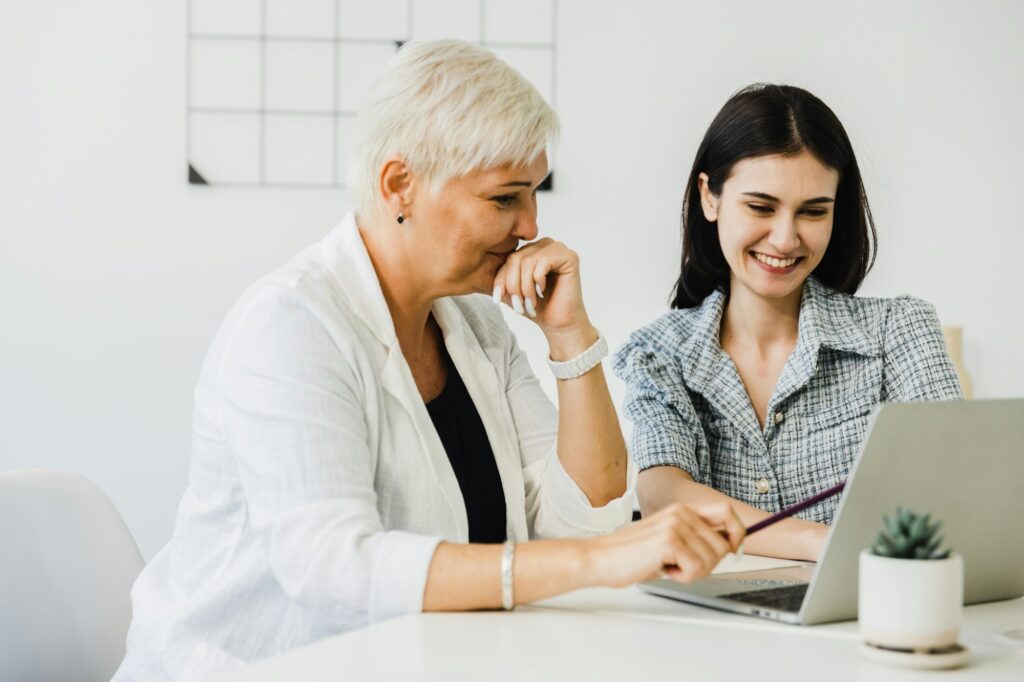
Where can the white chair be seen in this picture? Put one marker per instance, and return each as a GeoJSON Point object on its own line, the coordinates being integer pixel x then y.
{"type": "Point", "coordinates": [67, 564]}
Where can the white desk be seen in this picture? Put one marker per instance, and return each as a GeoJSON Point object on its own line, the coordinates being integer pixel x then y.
{"type": "Point", "coordinates": [620, 635]}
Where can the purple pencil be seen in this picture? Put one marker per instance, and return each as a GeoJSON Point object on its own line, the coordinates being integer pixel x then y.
{"type": "Point", "coordinates": [798, 507]}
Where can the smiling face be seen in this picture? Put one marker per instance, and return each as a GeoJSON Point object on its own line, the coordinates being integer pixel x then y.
{"type": "Point", "coordinates": [466, 231]}
{"type": "Point", "coordinates": [774, 218]}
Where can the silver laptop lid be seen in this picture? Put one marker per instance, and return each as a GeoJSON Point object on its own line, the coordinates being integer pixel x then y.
{"type": "Point", "coordinates": [961, 461]}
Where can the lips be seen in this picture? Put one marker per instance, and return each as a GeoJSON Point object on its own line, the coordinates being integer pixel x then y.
{"type": "Point", "coordinates": [503, 254]}
{"type": "Point", "coordinates": [775, 264]}
{"type": "Point", "coordinates": [773, 261]}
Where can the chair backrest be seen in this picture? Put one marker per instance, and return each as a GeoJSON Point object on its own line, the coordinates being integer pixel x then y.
{"type": "Point", "coordinates": [67, 564]}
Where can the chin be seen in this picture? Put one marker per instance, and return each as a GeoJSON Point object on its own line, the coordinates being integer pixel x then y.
{"type": "Point", "coordinates": [480, 283]}
{"type": "Point", "coordinates": [777, 288]}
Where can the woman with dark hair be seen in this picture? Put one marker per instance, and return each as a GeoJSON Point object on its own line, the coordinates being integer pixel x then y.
{"type": "Point", "coordinates": [758, 385]}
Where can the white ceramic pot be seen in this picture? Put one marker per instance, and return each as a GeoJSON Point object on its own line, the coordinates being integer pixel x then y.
{"type": "Point", "coordinates": [910, 603]}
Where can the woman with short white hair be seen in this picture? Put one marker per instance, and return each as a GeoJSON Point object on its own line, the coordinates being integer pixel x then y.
{"type": "Point", "coordinates": [370, 441]}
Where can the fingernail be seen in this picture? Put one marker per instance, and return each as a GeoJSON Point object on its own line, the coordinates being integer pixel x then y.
{"type": "Point", "coordinates": [497, 294]}
{"type": "Point", "coordinates": [540, 292]}
{"type": "Point", "coordinates": [530, 309]}
{"type": "Point", "coordinates": [739, 551]}
{"type": "Point", "coordinates": [517, 304]}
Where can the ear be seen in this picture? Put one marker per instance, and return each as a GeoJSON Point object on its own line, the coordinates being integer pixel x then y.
{"type": "Point", "coordinates": [396, 185]}
{"type": "Point", "coordinates": [708, 200]}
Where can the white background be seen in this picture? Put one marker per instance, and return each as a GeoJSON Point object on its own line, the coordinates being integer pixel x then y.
{"type": "Point", "coordinates": [114, 273]}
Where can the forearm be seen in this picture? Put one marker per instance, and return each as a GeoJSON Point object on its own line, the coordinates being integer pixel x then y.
{"type": "Point", "coordinates": [466, 577]}
{"type": "Point", "coordinates": [590, 443]}
{"type": "Point", "coordinates": [789, 539]}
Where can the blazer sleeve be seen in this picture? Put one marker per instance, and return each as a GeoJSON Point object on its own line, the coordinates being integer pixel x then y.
{"type": "Point", "coordinates": [916, 366]}
{"type": "Point", "coordinates": [666, 427]}
{"type": "Point", "coordinates": [293, 416]}
{"type": "Point", "coordinates": [555, 504]}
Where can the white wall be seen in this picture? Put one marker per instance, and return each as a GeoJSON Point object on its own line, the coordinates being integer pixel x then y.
{"type": "Point", "coordinates": [114, 272]}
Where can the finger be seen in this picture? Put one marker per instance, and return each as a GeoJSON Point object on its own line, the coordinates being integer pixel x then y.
{"type": "Point", "coordinates": [716, 540]}
{"type": "Point", "coordinates": [535, 265]}
{"type": "Point", "coordinates": [723, 518]}
{"type": "Point", "coordinates": [539, 276]}
{"type": "Point", "coordinates": [691, 535]}
{"type": "Point", "coordinates": [512, 279]}
{"type": "Point", "coordinates": [688, 563]}
{"type": "Point", "coordinates": [679, 553]}
{"type": "Point", "coordinates": [500, 295]}
{"type": "Point", "coordinates": [498, 292]}
{"type": "Point", "coordinates": [553, 260]}
{"type": "Point", "coordinates": [671, 572]}
{"type": "Point", "coordinates": [712, 534]}
{"type": "Point", "coordinates": [735, 529]}
{"type": "Point", "coordinates": [526, 267]}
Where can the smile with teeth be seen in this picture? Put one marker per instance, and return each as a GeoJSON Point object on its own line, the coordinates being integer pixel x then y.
{"type": "Point", "coordinates": [774, 262]}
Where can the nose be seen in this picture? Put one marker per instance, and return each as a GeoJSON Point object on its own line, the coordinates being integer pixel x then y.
{"type": "Point", "coordinates": [525, 227]}
{"type": "Point", "coordinates": [783, 236]}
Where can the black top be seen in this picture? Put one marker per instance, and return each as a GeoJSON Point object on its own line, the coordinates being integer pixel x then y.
{"type": "Point", "coordinates": [462, 433]}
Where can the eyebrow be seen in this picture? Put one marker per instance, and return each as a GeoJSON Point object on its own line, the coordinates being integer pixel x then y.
{"type": "Point", "coordinates": [769, 197]}
{"type": "Point", "coordinates": [518, 183]}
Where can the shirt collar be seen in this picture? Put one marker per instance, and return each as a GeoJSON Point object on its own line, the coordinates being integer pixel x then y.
{"type": "Point", "coordinates": [349, 261]}
{"type": "Point", "coordinates": [346, 255]}
{"type": "Point", "coordinates": [826, 320]}
{"type": "Point", "coordinates": [700, 353]}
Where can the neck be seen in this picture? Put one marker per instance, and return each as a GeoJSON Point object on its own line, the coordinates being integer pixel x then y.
{"type": "Point", "coordinates": [759, 322]}
{"type": "Point", "coordinates": [409, 297]}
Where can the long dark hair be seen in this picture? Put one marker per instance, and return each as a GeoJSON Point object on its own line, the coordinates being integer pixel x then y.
{"type": "Point", "coordinates": [760, 120]}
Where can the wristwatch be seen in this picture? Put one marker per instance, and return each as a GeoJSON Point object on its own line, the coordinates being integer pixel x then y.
{"type": "Point", "coordinates": [582, 363]}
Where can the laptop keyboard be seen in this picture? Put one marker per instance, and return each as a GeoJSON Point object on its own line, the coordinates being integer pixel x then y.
{"type": "Point", "coordinates": [789, 598]}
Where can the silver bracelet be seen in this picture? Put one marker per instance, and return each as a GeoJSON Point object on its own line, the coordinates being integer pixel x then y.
{"type": "Point", "coordinates": [508, 555]}
{"type": "Point", "coordinates": [582, 363]}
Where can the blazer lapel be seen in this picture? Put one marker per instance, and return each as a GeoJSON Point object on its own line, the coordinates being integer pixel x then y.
{"type": "Point", "coordinates": [396, 379]}
{"type": "Point", "coordinates": [485, 388]}
{"type": "Point", "coordinates": [350, 263]}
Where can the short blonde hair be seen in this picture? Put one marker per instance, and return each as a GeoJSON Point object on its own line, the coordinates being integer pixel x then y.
{"type": "Point", "coordinates": [448, 108]}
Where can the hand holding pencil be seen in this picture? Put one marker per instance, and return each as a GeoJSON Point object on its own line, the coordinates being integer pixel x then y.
{"type": "Point", "coordinates": [791, 510]}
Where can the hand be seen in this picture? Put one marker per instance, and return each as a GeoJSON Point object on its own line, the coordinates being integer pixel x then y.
{"type": "Point", "coordinates": [678, 542]}
{"type": "Point", "coordinates": [542, 281]}
{"type": "Point", "coordinates": [813, 539]}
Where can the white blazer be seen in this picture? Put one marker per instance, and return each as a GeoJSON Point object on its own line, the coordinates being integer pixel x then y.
{"type": "Point", "coordinates": [318, 488]}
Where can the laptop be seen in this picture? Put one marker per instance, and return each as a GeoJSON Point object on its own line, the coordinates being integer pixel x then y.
{"type": "Point", "coordinates": [963, 461]}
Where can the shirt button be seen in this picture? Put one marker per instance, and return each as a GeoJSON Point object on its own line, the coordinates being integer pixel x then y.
{"type": "Point", "coordinates": [763, 486]}
{"type": "Point", "coordinates": [778, 417]}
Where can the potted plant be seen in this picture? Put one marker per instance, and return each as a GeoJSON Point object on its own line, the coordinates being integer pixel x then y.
{"type": "Point", "coordinates": [911, 589]}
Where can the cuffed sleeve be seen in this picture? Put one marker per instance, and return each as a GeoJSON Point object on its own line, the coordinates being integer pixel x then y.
{"type": "Point", "coordinates": [917, 366]}
{"type": "Point", "coordinates": [559, 508]}
{"type": "Point", "coordinates": [665, 425]}
{"type": "Point", "coordinates": [555, 504]}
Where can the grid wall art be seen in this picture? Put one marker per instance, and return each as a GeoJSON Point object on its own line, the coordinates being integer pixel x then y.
{"type": "Point", "coordinates": [274, 85]}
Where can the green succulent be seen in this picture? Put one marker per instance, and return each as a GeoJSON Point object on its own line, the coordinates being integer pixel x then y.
{"type": "Point", "coordinates": [909, 536]}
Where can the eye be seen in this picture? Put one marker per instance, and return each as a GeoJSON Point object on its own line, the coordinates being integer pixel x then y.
{"type": "Point", "coordinates": [504, 200]}
{"type": "Point", "coordinates": [815, 212]}
{"type": "Point", "coordinates": [760, 209]}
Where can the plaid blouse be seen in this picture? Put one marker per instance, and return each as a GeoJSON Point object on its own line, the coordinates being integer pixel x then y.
{"type": "Point", "coordinates": [690, 409]}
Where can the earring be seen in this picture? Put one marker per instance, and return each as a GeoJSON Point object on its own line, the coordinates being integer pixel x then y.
{"type": "Point", "coordinates": [401, 218]}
